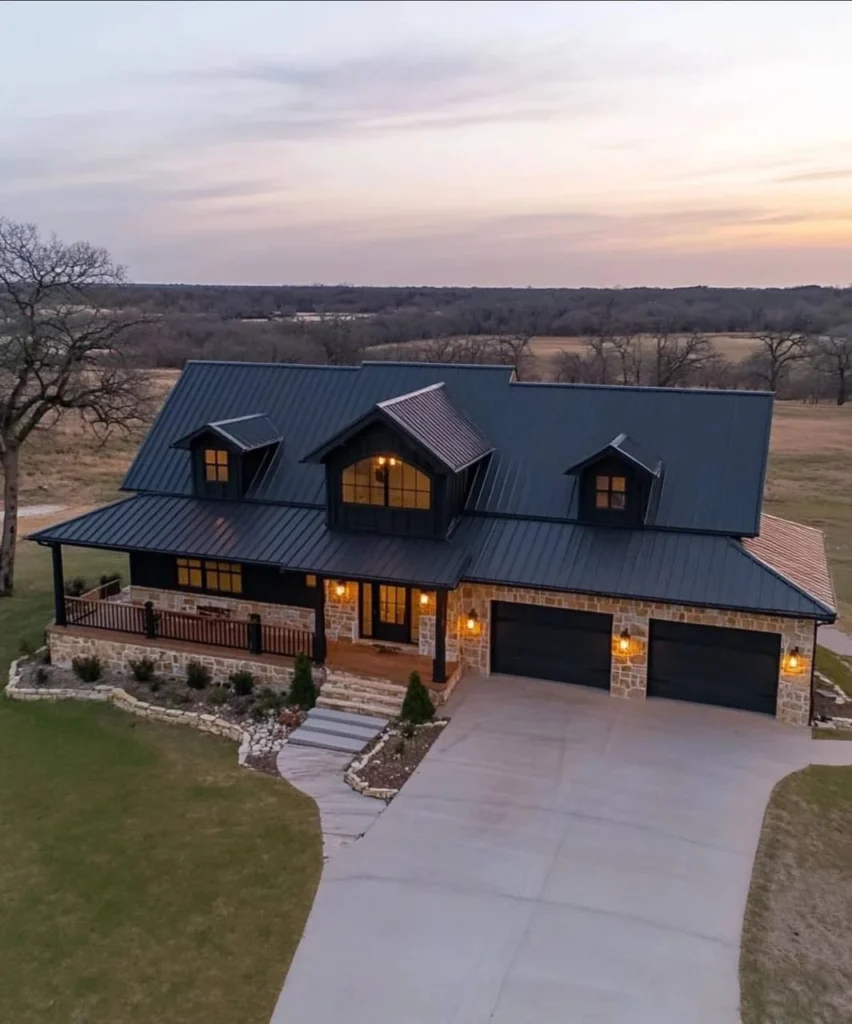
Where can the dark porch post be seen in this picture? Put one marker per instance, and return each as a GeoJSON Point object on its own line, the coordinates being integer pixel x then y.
{"type": "Point", "coordinates": [319, 623]}
{"type": "Point", "coordinates": [58, 585]}
{"type": "Point", "coordinates": [439, 662]}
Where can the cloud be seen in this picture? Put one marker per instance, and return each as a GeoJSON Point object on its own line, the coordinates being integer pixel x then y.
{"type": "Point", "coordinates": [827, 174]}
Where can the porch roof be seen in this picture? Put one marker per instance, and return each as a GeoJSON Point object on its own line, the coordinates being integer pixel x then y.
{"type": "Point", "coordinates": [294, 539]}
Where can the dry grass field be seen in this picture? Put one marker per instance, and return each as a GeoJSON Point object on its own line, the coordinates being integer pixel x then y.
{"type": "Point", "coordinates": [732, 346]}
{"type": "Point", "coordinates": [810, 472]}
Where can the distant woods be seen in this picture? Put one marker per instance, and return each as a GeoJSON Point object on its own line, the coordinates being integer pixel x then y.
{"type": "Point", "coordinates": [797, 341]}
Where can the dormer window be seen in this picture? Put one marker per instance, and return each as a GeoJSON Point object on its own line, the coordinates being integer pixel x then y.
{"type": "Point", "coordinates": [387, 481]}
{"type": "Point", "coordinates": [215, 465]}
{"type": "Point", "coordinates": [610, 492]}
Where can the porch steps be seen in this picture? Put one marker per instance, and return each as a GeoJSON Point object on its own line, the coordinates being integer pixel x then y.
{"type": "Point", "coordinates": [325, 729]}
{"type": "Point", "coordinates": [361, 708]}
{"type": "Point", "coordinates": [362, 696]}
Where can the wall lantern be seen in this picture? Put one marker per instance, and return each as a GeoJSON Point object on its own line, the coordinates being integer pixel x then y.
{"type": "Point", "coordinates": [472, 621]}
{"type": "Point", "coordinates": [624, 642]}
{"type": "Point", "coordinates": [340, 589]}
{"type": "Point", "coordinates": [794, 661]}
{"type": "Point", "coordinates": [424, 599]}
{"type": "Point", "coordinates": [625, 646]}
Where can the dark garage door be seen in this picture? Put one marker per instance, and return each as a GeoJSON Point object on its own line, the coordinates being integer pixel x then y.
{"type": "Point", "coordinates": [551, 643]}
{"type": "Point", "coordinates": [736, 668]}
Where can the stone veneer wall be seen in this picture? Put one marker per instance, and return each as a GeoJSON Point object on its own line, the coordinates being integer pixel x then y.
{"type": "Point", "coordinates": [183, 601]}
{"type": "Point", "coordinates": [117, 654]}
{"type": "Point", "coordinates": [629, 675]}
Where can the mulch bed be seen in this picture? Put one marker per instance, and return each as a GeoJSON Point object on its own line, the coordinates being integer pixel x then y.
{"type": "Point", "coordinates": [393, 765]}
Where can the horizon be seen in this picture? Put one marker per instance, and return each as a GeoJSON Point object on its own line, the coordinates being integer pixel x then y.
{"type": "Point", "coordinates": [512, 145]}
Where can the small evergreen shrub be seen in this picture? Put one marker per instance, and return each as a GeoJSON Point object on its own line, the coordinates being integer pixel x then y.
{"type": "Point", "coordinates": [197, 675]}
{"type": "Point", "coordinates": [41, 675]}
{"type": "Point", "coordinates": [408, 729]}
{"type": "Point", "coordinates": [112, 577]}
{"type": "Point", "coordinates": [154, 684]}
{"type": "Point", "coordinates": [417, 707]}
{"type": "Point", "coordinates": [143, 670]}
{"type": "Point", "coordinates": [87, 669]}
{"type": "Point", "coordinates": [242, 682]}
{"type": "Point", "coordinates": [302, 693]}
{"type": "Point", "coordinates": [270, 700]}
{"type": "Point", "coordinates": [217, 697]}
{"type": "Point", "coordinates": [399, 747]}
{"type": "Point", "coordinates": [75, 587]}
{"type": "Point", "coordinates": [259, 713]}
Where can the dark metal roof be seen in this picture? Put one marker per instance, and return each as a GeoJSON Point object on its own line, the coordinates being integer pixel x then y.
{"type": "Point", "coordinates": [626, 447]}
{"type": "Point", "coordinates": [290, 538]}
{"type": "Point", "coordinates": [713, 444]}
{"type": "Point", "coordinates": [243, 432]}
{"type": "Point", "coordinates": [653, 565]}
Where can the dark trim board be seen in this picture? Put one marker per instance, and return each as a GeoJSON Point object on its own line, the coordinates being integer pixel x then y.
{"type": "Point", "coordinates": [733, 668]}
{"type": "Point", "coordinates": [551, 643]}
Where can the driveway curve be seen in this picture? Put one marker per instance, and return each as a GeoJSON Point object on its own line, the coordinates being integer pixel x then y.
{"type": "Point", "coordinates": [558, 856]}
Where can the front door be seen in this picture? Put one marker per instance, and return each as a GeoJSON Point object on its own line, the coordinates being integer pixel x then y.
{"type": "Point", "coordinates": [385, 612]}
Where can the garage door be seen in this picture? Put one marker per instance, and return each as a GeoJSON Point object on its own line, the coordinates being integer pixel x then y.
{"type": "Point", "coordinates": [551, 643]}
{"type": "Point", "coordinates": [736, 668]}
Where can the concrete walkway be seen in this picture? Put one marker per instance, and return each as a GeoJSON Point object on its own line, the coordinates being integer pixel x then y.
{"type": "Point", "coordinates": [831, 752]}
{"type": "Point", "coordinates": [835, 640]}
{"type": "Point", "coordinates": [558, 856]}
{"type": "Point", "coordinates": [344, 814]}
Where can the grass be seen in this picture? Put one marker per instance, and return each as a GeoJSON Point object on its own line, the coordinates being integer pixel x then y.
{"type": "Point", "coordinates": [146, 877]}
{"type": "Point", "coordinates": [837, 668]}
{"type": "Point", "coordinates": [794, 965]}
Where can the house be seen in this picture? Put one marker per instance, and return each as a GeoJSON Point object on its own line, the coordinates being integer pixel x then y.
{"type": "Point", "coordinates": [449, 519]}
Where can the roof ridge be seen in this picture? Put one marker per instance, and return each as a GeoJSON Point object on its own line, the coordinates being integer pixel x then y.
{"type": "Point", "coordinates": [738, 544]}
{"type": "Point", "coordinates": [409, 394]}
{"type": "Point", "coordinates": [239, 419]}
{"type": "Point", "coordinates": [636, 387]}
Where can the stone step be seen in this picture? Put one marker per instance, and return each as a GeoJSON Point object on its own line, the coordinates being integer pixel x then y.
{"type": "Point", "coordinates": [303, 737]}
{"type": "Point", "coordinates": [341, 716]}
{"type": "Point", "coordinates": [338, 693]}
{"type": "Point", "coordinates": [366, 682]}
{"type": "Point", "coordinates": [332, 728]}
{"type": "Point", "coordinates": [356, 707]}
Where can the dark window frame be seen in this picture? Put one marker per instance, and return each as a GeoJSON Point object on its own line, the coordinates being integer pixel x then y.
{"type": "Point", "coordinates": [614, 498]}
{"type": "Point", "coordinates": [380, 483]}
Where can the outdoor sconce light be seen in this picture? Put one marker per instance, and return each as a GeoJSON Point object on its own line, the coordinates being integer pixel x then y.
{"type": "Point", "coordinates": [472, 621]}
{"type": "Point", "coordinates": [794, 662]}
{"type": "Point", "coordinates": [340, 588]}
{"type": "Point", "coordinates": [381, 460]}
{"type": "Point", "coordinates": [624, 642]}
{"type": "Point", "coordinates": [424, 599]}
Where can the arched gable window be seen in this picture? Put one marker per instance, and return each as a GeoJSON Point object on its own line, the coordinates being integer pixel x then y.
{"type": "Point", "coordinates": [386, 480]}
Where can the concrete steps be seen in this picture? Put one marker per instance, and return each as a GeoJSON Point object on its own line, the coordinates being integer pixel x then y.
{"type": "Point", "coordinates": [327, 729]}
{"type": "Point", "coordinates": [362, 697]}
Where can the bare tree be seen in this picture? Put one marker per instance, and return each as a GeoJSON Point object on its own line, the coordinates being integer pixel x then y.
{"type": "Point", "coordinates": [60, 349]}
{"type": "Point", "coordinates": [674, 356]}
{"type": "Point", "coordinates": [780, 347]}
{"type": "Point", "coordinates": [833, 358]}
{"type": "Point", "coordinates": [516, 352]}
{"type": "Point", "coordinates": [334, 334]}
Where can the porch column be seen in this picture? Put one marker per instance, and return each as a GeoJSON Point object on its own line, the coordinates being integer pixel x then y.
{"type": "Point", "coordinates": [439, 662]}
{"type": "Point", "coordinates": [58, 585]}
{"type": "Point", "coordinates": [319, 623]}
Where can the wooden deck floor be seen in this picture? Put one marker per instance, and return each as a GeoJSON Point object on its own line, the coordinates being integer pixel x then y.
{"type": "Point", "coordinates": [381, 662]}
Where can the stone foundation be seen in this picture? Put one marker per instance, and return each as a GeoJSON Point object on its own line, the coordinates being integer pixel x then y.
{"type": "Point", "coordinates": [629, 674]}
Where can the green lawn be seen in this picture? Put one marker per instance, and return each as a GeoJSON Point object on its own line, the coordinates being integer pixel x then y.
{"type": "Point", "coordinates": [795, 966]}
{"type": "Point", "coordinates": [838, 669]}
{"type": "Point", "coordinates": [145, 876]}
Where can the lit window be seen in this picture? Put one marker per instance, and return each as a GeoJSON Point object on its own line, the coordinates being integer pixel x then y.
{"type": "Point", "coordinates": [610, 492]}
{"type": "Point", "coordinates": [310, 581]}
{"type": "Point", "coordinates": [226, 577]}
{"type": "Point", "coordinates": [189, 572]}
{"type": "Point", "coordinates": [386, 480]}
{"type": "Point", "coordinates": [215, 465]}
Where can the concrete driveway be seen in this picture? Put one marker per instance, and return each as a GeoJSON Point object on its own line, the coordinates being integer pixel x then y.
{"type": "Point", "coordinates": [559, 856]}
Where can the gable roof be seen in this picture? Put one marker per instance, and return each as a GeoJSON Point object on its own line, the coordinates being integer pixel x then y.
{"type": "Point", "coordinates": [627, 448]}
{"type": "Point", "coordinates": [431, 419]}
{"type": "Point", "coordinates": [243, 432]}
{"type": "Point", "coordinates": [797, 553]}
{"type": "Point", "coordinates": [713, 444]}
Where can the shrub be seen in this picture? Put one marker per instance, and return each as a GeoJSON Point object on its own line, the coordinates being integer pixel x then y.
{"type": "Point", "coordinates": [217, 697]}
{"type": "Point", "coordinates": [45, 654]}
{"type": "Point", "coordinates": [87, 669]}
{"type": "Point", "coordinates": [109, 578]}
{"type": "Point", "coordinates": [41, 675]}
{"type": "Point", "coordinates": [197, 675]}
{"type": "Point", "coordinates": [270, 700]}
{"type": "Point", "coordinates": [143, 670]}
{"type": "Point", "coordinates": [302, 693]}
{"type": "Point", "coordinates": [75, 587]}
{"type": "Point", "coordinates": [181, 698]}
{"type": "Point", "coordinates": [399, 747]}
{"type": "Point", "coordinates": [408, 729]}
{"type": "Point", "coordinates": [242, 682]}
{"type": "Point", "coordinates": [417, 706]}
{"type": "Point", "coordinates": [154, 684]}
{"type": "Point", "coordinates": [259, 713]}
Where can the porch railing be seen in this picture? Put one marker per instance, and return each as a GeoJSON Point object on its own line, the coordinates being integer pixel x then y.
{"type": "Point", "coordinates": [250, 635]}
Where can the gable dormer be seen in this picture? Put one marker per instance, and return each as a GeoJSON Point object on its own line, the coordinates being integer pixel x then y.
{"type": "Point", "coordinates": [227, 456]}
{"type": "Point", "coordinates": [618, 485]}
{"type": "Point", "coordinates": [404, 468]}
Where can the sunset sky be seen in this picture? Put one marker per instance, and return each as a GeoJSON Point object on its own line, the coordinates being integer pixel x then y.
{"type": "Point", "coordinates": [544, 144]}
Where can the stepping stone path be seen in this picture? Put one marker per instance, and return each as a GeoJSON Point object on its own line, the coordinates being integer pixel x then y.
{"type": "Point", "coordinates": [326, 729]}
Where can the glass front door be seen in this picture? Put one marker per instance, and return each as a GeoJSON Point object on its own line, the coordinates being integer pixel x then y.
{"type": "Point", "coordinates": [386, 612]}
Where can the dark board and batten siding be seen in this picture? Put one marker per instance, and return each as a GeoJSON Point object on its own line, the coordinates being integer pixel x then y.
{"type": "Point", "coordinates": [733, 668]}
{"type": "Point", "coordinates": [260, 583]}
{"type": "Point", "coordinates": [551, 643]}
